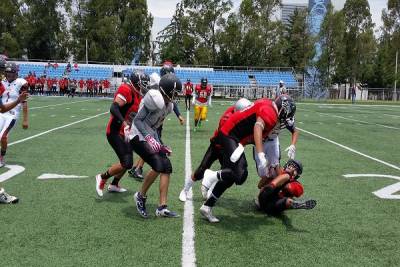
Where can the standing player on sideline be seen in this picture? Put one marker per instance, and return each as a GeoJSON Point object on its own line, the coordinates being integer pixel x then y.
{"type": "Point", "coordinates": [13, 86]}
{"type": "Point", "coordinates": [277, 195]}
{"type": "Point", "coordinates": [201, 101]}
{"type": "Point", "coordinates": [214, 151]}
{"type": "Point", "coordinates": [5, 198]}
{"type": "Point", "coordinates": [188, 92]}
{"type": "Point", "coordinates": [146, 142]}
{"type": "Point", "coordinates": [249, 126]}
{"type": "Point", "coordinates": [126, 97]}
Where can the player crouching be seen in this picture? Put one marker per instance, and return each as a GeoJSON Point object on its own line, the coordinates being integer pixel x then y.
{"type": "Point", "coordinates": [278, 194]}
{"type": "Point", "coordinates": [146, 142]}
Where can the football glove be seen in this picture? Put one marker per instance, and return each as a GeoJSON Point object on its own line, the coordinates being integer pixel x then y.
{"type": "Point", "coordinates": [291, 151]}
{"type": "Point", "coordinates": [153, 143]}
{"type": "Point", "coordinates": [127, 130]}
{"type": "Point", "coordinates": [262, 166]}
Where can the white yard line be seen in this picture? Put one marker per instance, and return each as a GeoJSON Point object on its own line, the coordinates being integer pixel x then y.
{"type": "Point", "coordinates": [351, 150]}
{"type": "Point", "coordinates": [60, 104]}
{"type": "Point", "coordinates": [350, 119]}
{"type": "Point", "coordinates": [55, 129]}
{"type": "Point", "coordinates": [396, 116]}
{"type": "Point", "coordinates": [188, 249]}
{"type": "Point", "coordinates": [348, 105]}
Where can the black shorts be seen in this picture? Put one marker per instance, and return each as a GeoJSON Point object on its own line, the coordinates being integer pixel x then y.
{"type": "Point", "coordinates": [273, 204]}
{"type": "Point", "coordinates": [159, 162]}
{"type": "Point", "coordinates": [213, 153]}
{"type": "Point", "coordinates": [122, 149]}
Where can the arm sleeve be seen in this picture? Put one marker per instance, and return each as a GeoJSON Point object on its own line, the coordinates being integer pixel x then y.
{"type": "Point", "coordinates": [176, 110]}
{"type": "Point", "coordinates": [139, 120]}
{"type": "Point", "coordinates": [115, 111]}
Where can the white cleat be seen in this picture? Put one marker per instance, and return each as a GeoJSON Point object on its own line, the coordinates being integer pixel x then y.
{"type": "Point", "coordinates": [116, 189]}
{"type": "Point", "coordinates": [183, 195]}
{"type": "Point", "coordinates": [6, 198]}
{"type": "Point", "coordinates": [206, 211]}
{"type": "Point", "coordinates": [99, 185]}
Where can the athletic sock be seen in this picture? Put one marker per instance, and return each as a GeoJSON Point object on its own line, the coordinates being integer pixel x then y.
{"type": "Point", "coordinates": [3, 152]}
{"type": "Point", "coordinates": [105, 175]}
{"type": "Point", "coordinates": [115, 181]}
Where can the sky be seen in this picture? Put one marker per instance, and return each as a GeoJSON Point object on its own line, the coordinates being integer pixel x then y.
{"type": "Point", "coordinates": [163, 9]}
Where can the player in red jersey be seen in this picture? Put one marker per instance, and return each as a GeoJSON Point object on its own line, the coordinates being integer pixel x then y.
{"type": "Point", "coordinates": [277, 194]}
{"type": "Point", "coordinates": [126, 99]}
{"type": "Point", "coordinates": [214, 151]}
{"type": "Point", "coordinates": [6, 198]}
{"type": "Point", "coordinates": [81, 85]}
{"type": "Point", "coordinates": [249, 126]}
{"type": "Point", "coordinates": [188, 92]}
{"type": "Point", "coordinates": [201, 101]}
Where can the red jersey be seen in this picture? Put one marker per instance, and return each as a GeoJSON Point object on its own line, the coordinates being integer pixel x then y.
{"type": "Point", "coordinates": [81, 83]}
{"type": "Point", "coordinates": [126, 93]}
{"type": "Point", "coordinates": [227, 114]}
{"type": "Point", "coordinates": [49, 83]}
{"type": "Point", "coordinates": [2, 89]}
{"type": "Point", "coordinates": [106, 84]}
{"type": "Point", "coordinates": [202, 94]}
{"type": "Point", "coordinates": [240, 125]}
{"type": "Point", "coordinates": [188, 88]}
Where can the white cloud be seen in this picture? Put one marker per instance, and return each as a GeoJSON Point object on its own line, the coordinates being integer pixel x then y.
{"type": "Point", "coordinates": [162, 8]}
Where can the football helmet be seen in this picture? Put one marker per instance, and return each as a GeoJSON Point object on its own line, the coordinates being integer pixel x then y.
{"type": "Point", "coordinates": [3, 63]}
{"type": "Point", "coordinates": [170, 85]}
{"type": "Point", "coordinates": [286, 108]}
{"type": "Point", "coordinates": [296, 164]}
{"type": "Point", "coordinates": [141, 81]}
{"type": "Point", "coordinates": [166, 68]}
{"type": "Point", "coordinates": [203, 82]}
{"type": "Point", "coordinates": [242, 103]}
{"type": "Point", "coordinates": [11, 67]}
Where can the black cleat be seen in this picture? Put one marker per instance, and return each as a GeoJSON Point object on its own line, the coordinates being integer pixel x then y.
{"type": "Point", "coordinates": [307, 205]}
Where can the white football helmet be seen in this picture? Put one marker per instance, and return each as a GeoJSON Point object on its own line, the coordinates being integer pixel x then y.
{"type": "Point", "coordinates": [242, 103]}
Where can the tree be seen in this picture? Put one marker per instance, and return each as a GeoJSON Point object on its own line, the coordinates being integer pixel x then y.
{"type": "Point", "coordinates": [115, 30]}
{"type": "Point", "coordinates": [300, 44]}
{"type": "Point", "coordinates": [360, 45]}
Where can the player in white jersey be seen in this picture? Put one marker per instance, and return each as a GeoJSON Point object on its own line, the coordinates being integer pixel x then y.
{"type": "Point", "coordinates": [6, 198]}
{"type": "Point", "coordinates": [272, 148]}
{"type": "Point", "coordinates": [146, 141]}
{"type": "Point", "coordinates": [13, 86]}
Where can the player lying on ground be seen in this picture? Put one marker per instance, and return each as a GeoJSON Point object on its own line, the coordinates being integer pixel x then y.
{"type": "Point", "coordinates": [146, 142]}
{"type": "Point", "coordinates": [214, 151]}
{"type": "Point", "coordinates": [277, 194]}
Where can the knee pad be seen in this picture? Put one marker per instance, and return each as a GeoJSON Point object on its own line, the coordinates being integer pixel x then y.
{"type": "Point", "coordinates": [127, 162]}
{"type": "Point", "coordinates": [242, 177]}
{"type": "Point", "coordinates": [199, 173]}
{"type": "Point", "coordinates": [162, 165]}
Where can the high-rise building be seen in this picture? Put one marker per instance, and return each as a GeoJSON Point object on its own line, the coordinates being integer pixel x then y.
{"type": "Point", "coordinates": [288, 9]}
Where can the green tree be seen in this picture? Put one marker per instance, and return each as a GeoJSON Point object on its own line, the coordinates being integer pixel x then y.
{"type": "Point", "coordinates": [300, 44]}
{"type": "Point", "coordinates": [10, 25]}
{"type": "Point", "coordinates": [360, 45]}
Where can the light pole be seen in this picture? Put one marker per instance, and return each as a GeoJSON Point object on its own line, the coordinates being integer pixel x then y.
{"type": "Point", "coordinates": [395, 78]}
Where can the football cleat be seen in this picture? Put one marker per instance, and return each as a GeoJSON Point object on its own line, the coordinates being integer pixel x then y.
{"type": "Point", "coordinates": [100, 183]}
{"type": "Point", "coordinates": [140, 204]}
{"type": "Point", "coordinates": [163, 211]}
{"type": "Point", "coordinates": [307, 205]}
{"type": "Point", "coordinates": [206, 211]}
{"type": "Point", "coordinates": [6, 198]}
{"type": "Point", "coordinates": [183, 195]}
{"type": "Point", "coordinates": [116, 189]}
{"type": "Point", "coordinates": [136, 173]}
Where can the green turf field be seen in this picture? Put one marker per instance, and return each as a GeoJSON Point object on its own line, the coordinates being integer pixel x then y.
{"type": "Point", "coordinates": [62, 222]}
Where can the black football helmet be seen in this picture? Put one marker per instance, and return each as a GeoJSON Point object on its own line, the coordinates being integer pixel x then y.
{"type": "Point", "coordinates": [11, 67]}
{"type": "Point", "coordinates": [140, 80]}
{"type": "Point", "coordinates": [203, 82]}
{"type": "Point", "coordinates": [286, 108]}
{"type": "Point", "coordinates": [296, 164]}
{"type": "Point", "coordinates": [166, 68]}
{"type": "Point", "coordinates": [170, 85]}
{"type": "Point", "coordinates": [3, 63]}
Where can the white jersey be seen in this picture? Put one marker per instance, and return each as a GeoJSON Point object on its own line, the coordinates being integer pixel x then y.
{"type": "Point", "coordinates": [11, 94]}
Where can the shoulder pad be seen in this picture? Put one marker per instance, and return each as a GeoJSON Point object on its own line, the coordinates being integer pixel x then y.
{"type": "Point", "coordinates": [153, 100]}
{"type": "Point", "coordinates": [154, 80]}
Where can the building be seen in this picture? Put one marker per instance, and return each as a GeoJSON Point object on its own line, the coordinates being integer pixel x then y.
{"type": "Point", "coordinates": [288, 9]}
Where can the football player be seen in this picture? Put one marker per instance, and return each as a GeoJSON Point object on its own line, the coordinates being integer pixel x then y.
{"type": "Point", "coordinates": [188, 92]}
{"type": "Point", "coordinates": [272, 147]}
{"type": "Point", "coordinates": [249, 126]}
{"type": "Point", "coordinates": [6, 198]}
{"type": "Point", "coordinates": [146, 142]}
{"type": "Point", "coordinates": [278, 194]}
{"type": "Point", "coordinates": [201, 102]}
{"type": "Point", "coordinates": [13, 86]}
{"type": "Point", "coordinates": [126, 99]}
{"type": "Point", "coordinates": [214, 151]}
